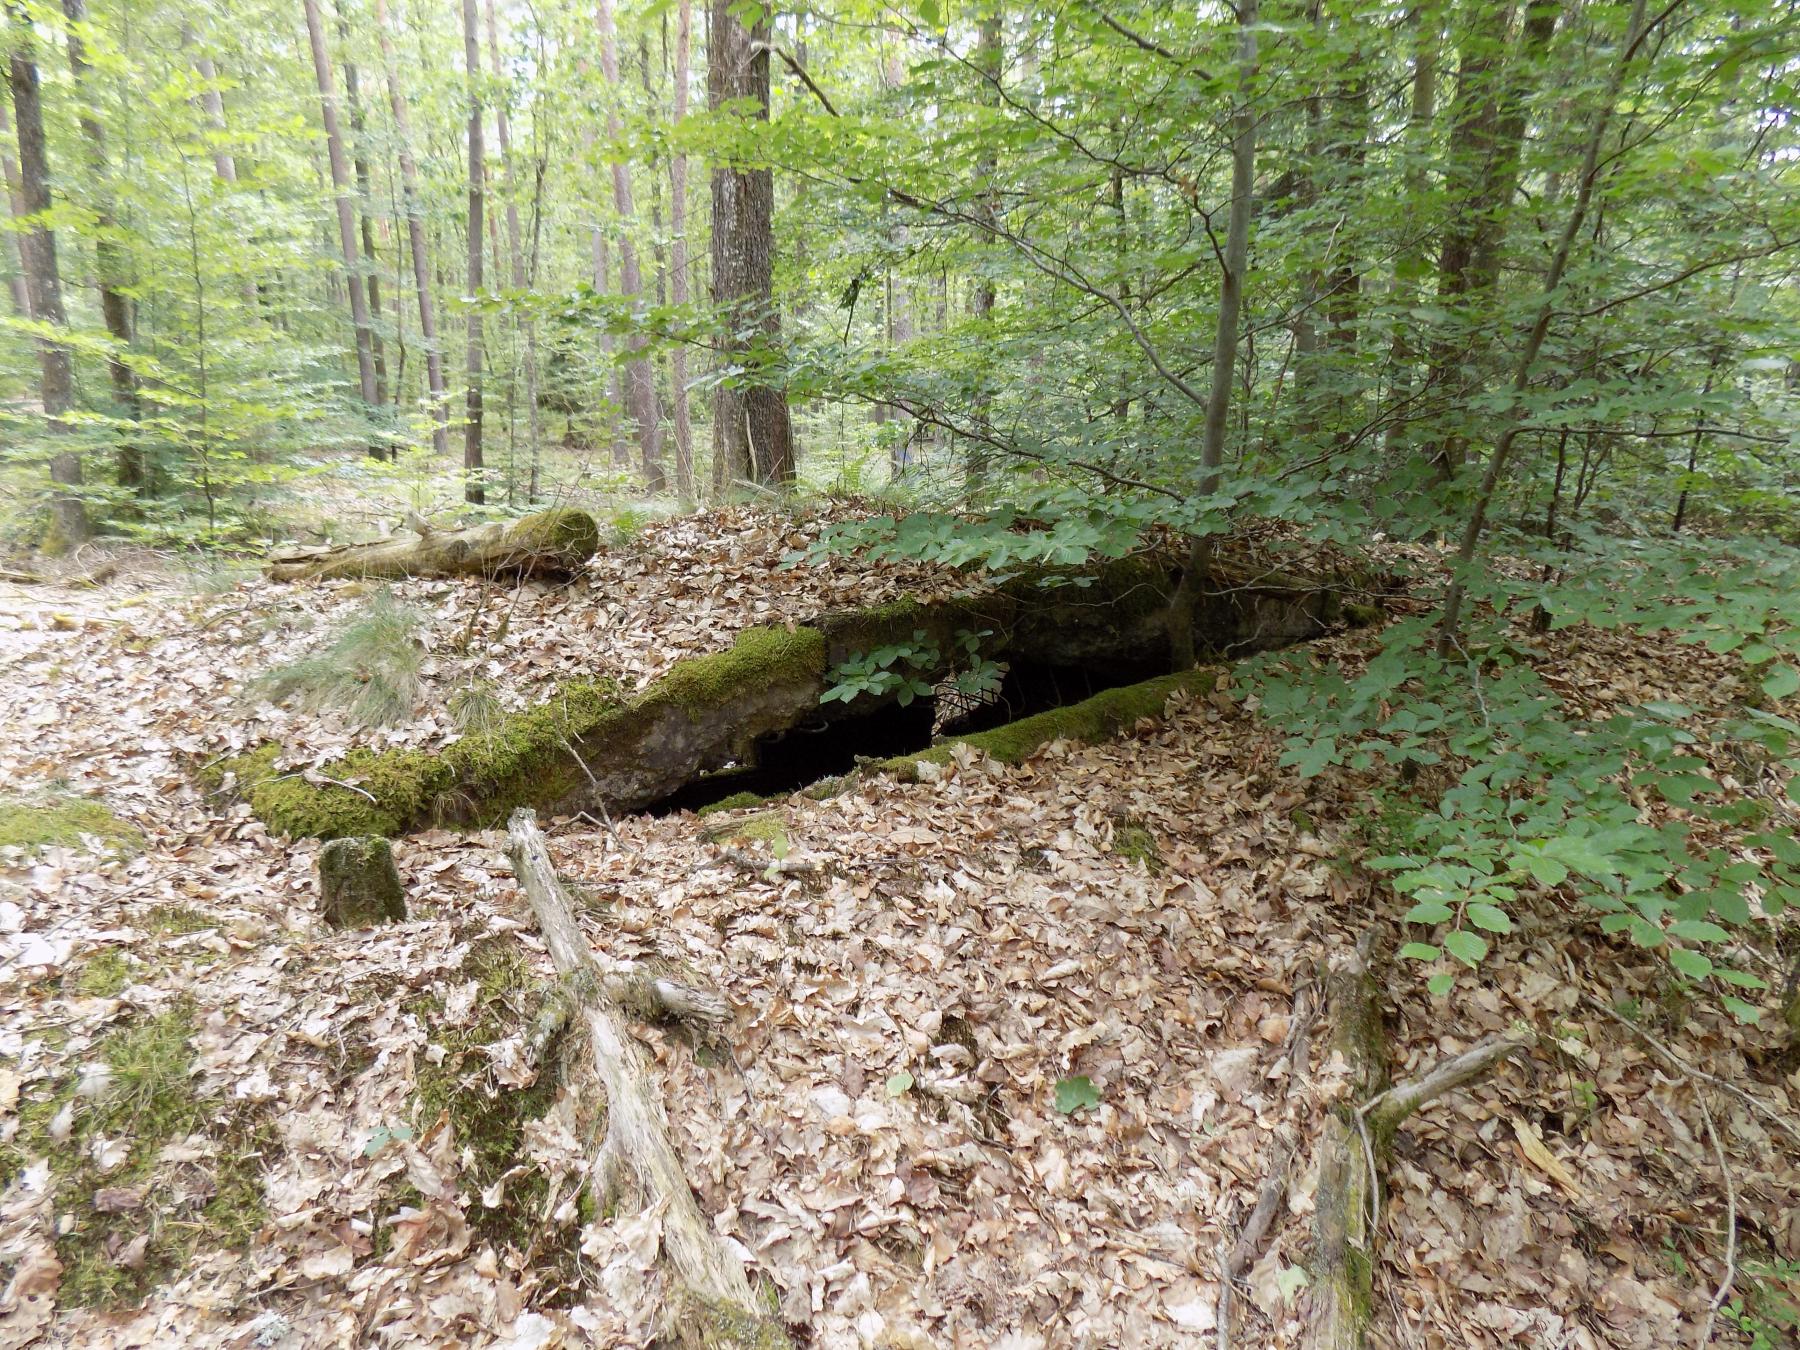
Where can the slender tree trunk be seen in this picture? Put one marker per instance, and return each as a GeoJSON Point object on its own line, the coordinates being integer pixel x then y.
{"type": "Point", "coordinates": [752, 434]}
{"type": "Point", "coordinates": [678, 259]}
{"type": "Point", "coordinates": [69, 527]}
{"type": "Point", "coordinates": [1412, 263]}
{"type": "Point", "coordinates": [520, 276]}
{"type": "Point", "coordinates": [9, 166]}
{"type": "Point", "coordinates": [989, 59]}
{"type": "Point", "coordinates": [1225, 334]}
{"type": "Point", "coordinates": [1487, 133]}
{"type": "Point", "coordinates": [115, 309]}
{"type": "Point", "coordinates": [359, 153]}
{"type": "Point", "coordinates": [415, 231]}
{"type": "Point", "coordinates": [346, 214]}
{"type": "Point", "coordinates": [1449, 626]}
{"type": "Point", "coordinates": [640, 378]}
{"type": "Point", "coordinates": [212, 103]}
{"type": "Point", "coordinates": [472, 466]}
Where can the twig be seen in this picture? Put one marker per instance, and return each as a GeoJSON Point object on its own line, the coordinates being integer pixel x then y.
{"type": "Point", "coordinates": [1386, 1111]}
{"type": "Point", "coordinates": [1730, 1275]}
{"type": "Point", "coordinates": [1676, 1062]}
{"type": "Point", "coordinates": [605, 820]}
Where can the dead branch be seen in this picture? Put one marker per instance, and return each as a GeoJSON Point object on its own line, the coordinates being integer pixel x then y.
{"type": "Point", "coordinates": [552, 543]}
{"type": "Point", "coordinates": [1383, 1114]}
{"type": "Point", "coordinates": [637, 1165]}
{"type": "Point", "coordinates": [1731, 1228]}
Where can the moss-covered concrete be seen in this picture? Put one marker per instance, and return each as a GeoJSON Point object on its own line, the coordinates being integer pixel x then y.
{"type": "Point", "coordinates": [1094, 719]}
{"type": "Point", "coordinates": [585, 741]}
{"type": "Point", "coordinates": [67, 822]}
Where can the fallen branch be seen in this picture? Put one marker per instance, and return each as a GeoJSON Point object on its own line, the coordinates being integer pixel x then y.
{"type": "Point", "coordinates": [1680, 1065]}
{"type": "Point", "coordinates": [637, 1167]}
{"type": "Point", "coordinates": [1731, 1228]}
{"type": "Point", "coordinates": [1353, 1153]}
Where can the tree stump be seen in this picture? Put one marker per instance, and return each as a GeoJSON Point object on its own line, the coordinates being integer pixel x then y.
{"type": "Point", "coordinates": [359, 886]}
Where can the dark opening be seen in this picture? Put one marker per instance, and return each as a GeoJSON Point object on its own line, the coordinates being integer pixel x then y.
{"type": "Point", "coordinates": [787, 761]}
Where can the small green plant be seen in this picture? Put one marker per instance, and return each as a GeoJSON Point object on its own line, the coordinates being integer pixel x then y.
{"type": "Point", "coordinates": [475, 709]}
{"type": "Point", "coordinates": [1767, 1310]}
{"type": "Point", "coordinates": [897, 669]}
{"type": "Point", "coordinates": [369, 670]}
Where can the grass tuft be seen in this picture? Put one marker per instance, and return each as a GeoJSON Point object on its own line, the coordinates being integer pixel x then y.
{"type": "Point", "coordinates": [369, 670]}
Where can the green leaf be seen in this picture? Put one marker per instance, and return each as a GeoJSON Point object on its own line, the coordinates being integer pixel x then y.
{"type": "Point", "coordinates": [898, 1085]}
{"type": "Point", "coordinates": [1781, 681]}
{"type": "Point", "coordinates": [1073, 1094]}
{"type": "Point", "coordinates": [1429, 911]}
{"type": "Point", "coordinates": [1699, 930]}
{"type": "Point", "coordinates": [1420, 951]}
{"type": "Point", "coordinates": [1439, 985]}
{"type": "Point", "coordinates": [1547, 871]}
{"type": "Point", "coordinates": [1491, 917]}
{"type": "Point", "coordinates": [1467, 947]}
{"type": "Point", "coordinates": [1695, 965]}
{"type": "Point", "coordinates": [1744, 1012]}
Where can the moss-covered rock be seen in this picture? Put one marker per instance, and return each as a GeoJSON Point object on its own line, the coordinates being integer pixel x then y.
{"type": "Point", "coordinates": [737, 801]}
{"type": "Point", "coordinates": [64, 821]}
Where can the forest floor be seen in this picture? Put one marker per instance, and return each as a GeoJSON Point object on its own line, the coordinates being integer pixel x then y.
{"type": "Point", "coordinates": [223, 1123]}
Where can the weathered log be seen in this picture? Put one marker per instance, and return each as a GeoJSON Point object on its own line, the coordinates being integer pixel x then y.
{"type": "Point", "coordinates": [557, 542]}
{"type": "Point", "coordinates": [712, 1305]}
{"type": "Point", "coordinates": [359, 885]}
{"type": "Point", "coordinates": [1355, 1144]}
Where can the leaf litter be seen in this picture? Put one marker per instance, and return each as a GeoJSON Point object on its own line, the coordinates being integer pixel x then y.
{"type": "Point", "coordinates": [994, 1078]}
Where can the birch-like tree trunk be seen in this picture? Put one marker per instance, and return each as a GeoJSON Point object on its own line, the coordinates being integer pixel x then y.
{"type": "Point", "coordinates": [752, 435]}
{"type": "Point", "coordinates": [416, 239]}
{"type": "Point", "coordinates": [472, 466]}
{"type": "Point", "coordinates": [346, 213]}
{"type": "Point", "coordinates": [9, 167]}
{"type": "Point", "coordinates": [69, 525]}
{"type": "Point", "coordinates": [640, 377]}
{"type": "Point", "coordinates": [359, 159]}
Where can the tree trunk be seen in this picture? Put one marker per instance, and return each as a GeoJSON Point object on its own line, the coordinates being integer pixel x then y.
{"type": "Point", "coordinates": [989, 58]}
{"type": "Point", "coordinates": [212, 103]}
{"type": "Point", "coordinates": [9, 166]}
{"type": "Point", "coordinates": [415, 231]}
{"type": "Point", "coordinates": [1449, 625]}
{"type": "Point", "coordinates": [515, 247]}
{"type": "Point", "coordinates": [640, 378]}
{"type": "Point", "coordinates": [359, 155]}
{"type": "Point", "coordinates": [678, 259]}
{"type": "Point", "coordinates": [69, 527]}
{"type": "Point", "coordinates": [115, 309]}
{"type": "Point", "coordinates": [346, 214]}
{"type": "Point", "coordinates": [752, 434]}
{"type": "Point", "coordinates": [472, 466]}
{"type": "Point", "coordinates": [1225, 335]}
{"type": "Point", "coordinates": [1487, 129]}
{"type": "Point", "coordinates": [547, 544]}
{"type": "Point", "coordinates": [1411, 264]}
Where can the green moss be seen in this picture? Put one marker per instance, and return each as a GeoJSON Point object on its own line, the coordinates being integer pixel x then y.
{"type": "Point", "coordinates": [68, 822]}
{"type": "Point", "coordinates": [737, 801]}
{"type": "Point", "coordinates": [1362, 616]}
{"type": "Point", "coordinates": [149, 1101]}
{"type": "Point", "coordinates": [1133, 841]}
{"type": "Point", "coordinates": [561, 530]}
{"type": "Point", "coordinates": [768, 827]}
{"type": "Point", "coordinates": [178, 920]}
{"type": "Point", "coordinates": [488, 1120]}
{"type": "Point", "coordinates": [759, 657]}
{"type": "Point", "coordinates": [103, 974]}
{"type": "Point", "coordinates": [713, 1325]}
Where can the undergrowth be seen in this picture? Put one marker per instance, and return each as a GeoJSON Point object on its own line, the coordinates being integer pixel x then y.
{"type": "Point", "coordinates": [369, 670]}
{"type": "Point", "coordinates": [132, 1217]}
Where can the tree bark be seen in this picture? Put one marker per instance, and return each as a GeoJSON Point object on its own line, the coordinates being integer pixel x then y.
{"type": "Point", "coordinates": [1225, 335]}
{"type": "Point", "coordinates": [515, 247]}
{"type": "Point", "coordinates": [69, 527]}
{"type": "Point", "coordinates": [637, 1166]}
{"type": "Point", "coordinates": [212, 103]}
{"type": "Point", "coordinates": [1487, 129]}
{"type": "Point", "coordinates": [678, 259]}
{"type": "Point", "coordinates": [472, 466]}
{"type": "Point", "coordinates": [1449, 625]}
{"type": "Point", "coordinates": [1411, 264]}
{"type": "Point", "coordinates": [359, 158]}
{"type": "Point", "coordinates": [640, 378]}
{"type": "Point", "coordinates": [989, 58]}
{"type": "Point", "coordinates": [752, 433]}
{"type": "Point", "coordinates": [419, 247]}
{"type": "Point", "coordinates": [115, 309]}
{"type": "Point", "coordinates": [9, 167]}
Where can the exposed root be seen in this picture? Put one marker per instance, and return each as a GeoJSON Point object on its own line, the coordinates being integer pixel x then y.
{"type": "Point", "coordinates": [637, 1165]}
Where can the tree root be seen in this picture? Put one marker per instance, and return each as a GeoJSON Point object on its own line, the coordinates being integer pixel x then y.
{"type": "Point", "coordinates": [637, 1165]}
